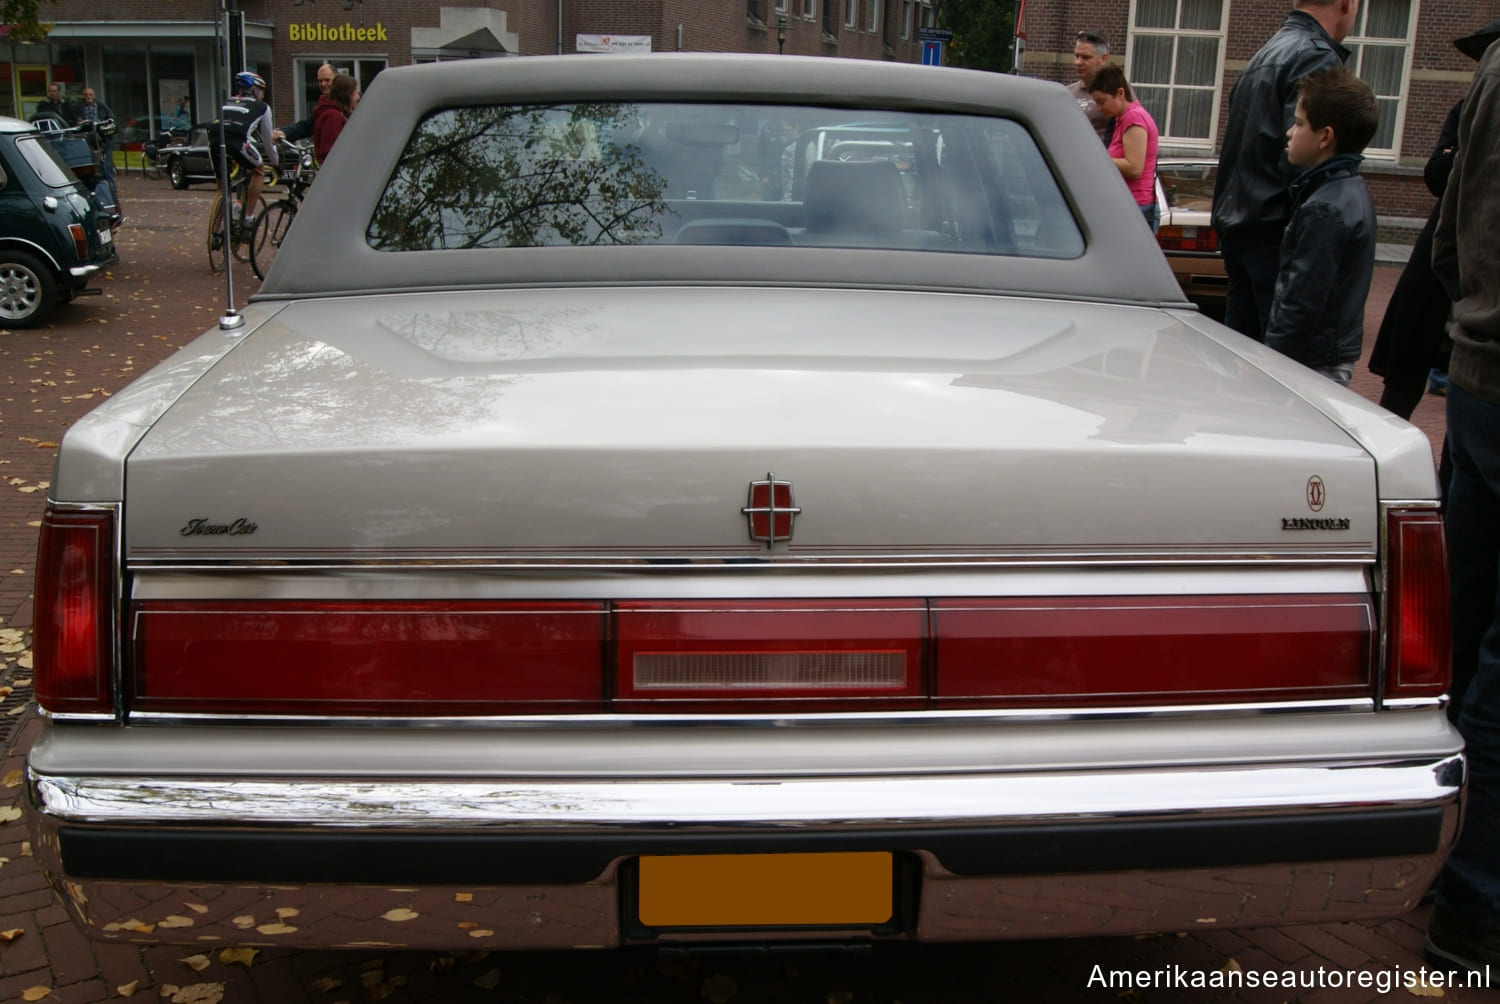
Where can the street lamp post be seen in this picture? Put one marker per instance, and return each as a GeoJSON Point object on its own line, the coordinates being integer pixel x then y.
{"type": "Point", "coordinates": [780, 36]}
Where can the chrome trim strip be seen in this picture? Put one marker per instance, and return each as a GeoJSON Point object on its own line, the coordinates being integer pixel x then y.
{"type": "Point", "coordinates": [83, 271]}
{"type": "Point", "coordinates": [894, 719]}
{"type": "Point", "coordinates": [1415, 703]}
{"type": "Point", "coordinates": [142, 558]}
{"type": "Point", "coordinates": [804, 802]}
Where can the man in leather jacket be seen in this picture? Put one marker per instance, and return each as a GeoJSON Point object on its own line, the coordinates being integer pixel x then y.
{"type": "Point", "coordinates": [1251, 201]}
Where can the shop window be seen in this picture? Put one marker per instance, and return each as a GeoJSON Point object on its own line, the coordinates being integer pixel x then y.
{"type": "Point", "coordinates": [1176, 54]}
{"type": "Point", "coordinates": [1380, 47]}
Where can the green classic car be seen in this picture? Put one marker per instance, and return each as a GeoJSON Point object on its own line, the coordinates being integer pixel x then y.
{"type": "Point", "coordinates": [52, 238]}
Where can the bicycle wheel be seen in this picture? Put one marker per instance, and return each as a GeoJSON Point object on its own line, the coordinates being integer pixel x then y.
{"type": "Point", "coordinates": [270, 231]}
{"type": "Point", "coordinates": [241, 238]}
{"type": "Point", "coordinates": [151, 166]}
{"type": "Point", "coordinates": [216, 235]}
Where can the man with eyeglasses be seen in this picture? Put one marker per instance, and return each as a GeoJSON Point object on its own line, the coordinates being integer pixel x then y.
{"type": "Point", "coordinates": [1090, 54]}
{"type": "Point", "coordinates": [1251, 199]}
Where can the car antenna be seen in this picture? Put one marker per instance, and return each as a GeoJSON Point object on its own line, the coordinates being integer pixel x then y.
{"type": "Point", "coordinates": [232, 318]}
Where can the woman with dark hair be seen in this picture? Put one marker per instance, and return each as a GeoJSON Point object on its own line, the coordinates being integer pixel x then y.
{"type": "Point", "coordinates": [1133, 147]}
{"type": "Point", "coordinates": [331, 112]}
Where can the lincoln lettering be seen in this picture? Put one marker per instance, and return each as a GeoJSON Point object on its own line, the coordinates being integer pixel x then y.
{"type": "Point", "coordinates": [203, 528]}
{"type": "Point", "coordinates": [1297, 523]}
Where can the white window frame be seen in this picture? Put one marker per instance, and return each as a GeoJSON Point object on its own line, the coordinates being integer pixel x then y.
{"type": "Point", "coordinates": [781, 6]}
{"type": "Point", "coordinates": [851, 14]}
{"type": "Point", "coordinates": [908, 8]}
{"type": "Point", "coordinates": [1356, 40]}
{"type": "Point", "coordinates": [809, 10]}
{"type": "Point", "coordinates": [928, 21]}
{"type": "Point", "coordinates": [1167, 140]}
{"type": "Point", "coordinates": [877, 8]}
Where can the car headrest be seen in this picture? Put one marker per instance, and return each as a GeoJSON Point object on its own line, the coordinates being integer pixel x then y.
{"type": "Point", "coordinates": [855, 197]}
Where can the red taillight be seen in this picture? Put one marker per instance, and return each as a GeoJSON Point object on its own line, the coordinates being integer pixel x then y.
{"type": "Point", "coordinates": [1418, 622]}
{"type": "Point", "coordinates": [1151, 649]}
{"type": "Point", "coordinates": [427, 657]}
{"type": "Point", "coordinates": [74, 620]}
{"type": "Point", "coordinates": [771, 654]}
{"type": "Point", "coordinates": [80, 241]}
{"type": "Point", "coordinates": [1187, 239]}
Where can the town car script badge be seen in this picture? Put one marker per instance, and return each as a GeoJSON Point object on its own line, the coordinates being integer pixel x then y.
{"type": "Point", "coordinates": [770, 510]}
{"type": "Point", "coordinates": [1317, 497]}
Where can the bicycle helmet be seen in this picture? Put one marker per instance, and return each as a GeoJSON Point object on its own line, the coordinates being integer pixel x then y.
{"type": "Point", "coordinates": [245, 80]}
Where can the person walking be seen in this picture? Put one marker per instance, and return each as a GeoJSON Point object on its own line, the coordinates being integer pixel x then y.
{"type": "Point", "coordinates": [1090, 55]}
{"type": "Point", "coordinates": [1465, 928]}
{"type": "Point", "coordinates": [331, 112]}
{"type": "Point", "coordinates": [1133, 144]}
{"type": "Point", "coordinates": [1251, 202]}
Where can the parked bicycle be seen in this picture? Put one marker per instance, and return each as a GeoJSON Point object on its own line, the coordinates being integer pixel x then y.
{"type": "Point", "coordinates": [297, 169]}
{"type": "Point", "coordinates": [153, 164]}
{"type": "Point", "coordinates": [83, 148]}
{"type": "Point", "coordinates": [239, 237]}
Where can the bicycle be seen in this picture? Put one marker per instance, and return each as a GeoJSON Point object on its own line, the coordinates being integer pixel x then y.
{"type": "Point", "coordinates": [297, 170]}
{"type": "Point", "coordinates": [239, 181]}
{"type": "Point", "coordinates": [152, 165]}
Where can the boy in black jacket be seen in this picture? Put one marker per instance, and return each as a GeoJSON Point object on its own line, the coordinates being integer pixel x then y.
{"type": "Point", "coordinates": [1328, 251]}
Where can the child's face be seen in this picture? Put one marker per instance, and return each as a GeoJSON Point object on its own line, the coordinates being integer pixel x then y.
{"type": "Point", "coordinates": [1304, 144]}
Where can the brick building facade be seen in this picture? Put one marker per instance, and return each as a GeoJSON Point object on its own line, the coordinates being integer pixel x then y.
{"type": "Point", "coordinates": [151, 61]}
{"type": "Point", "coordinates": [1185, 55]}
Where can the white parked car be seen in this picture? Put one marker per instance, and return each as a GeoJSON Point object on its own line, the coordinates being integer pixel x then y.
{"type": "Point", "coordinates": [700, 498]}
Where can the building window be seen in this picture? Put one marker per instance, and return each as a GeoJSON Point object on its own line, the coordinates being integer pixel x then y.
{"type": "Point", "coordinates": [851, 13]}
{"type": "Point", "coordinates": [810, 10]}
{"type": "Point", "coordinates": [1176, 52]}
{"type": "Point", "coordinates": [927, 15]}
{"type": "Point", "coordinates": [781, 6]}
{"type": "Point", "coordinates": [906, 15]}
{"type": "Point", "coordinates": [1380, 47]}
{"type": "Point", "coordinates": [873, 25]}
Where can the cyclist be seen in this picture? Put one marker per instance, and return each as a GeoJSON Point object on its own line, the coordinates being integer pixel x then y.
{"type": "Point", "coordinates": [243, 116]}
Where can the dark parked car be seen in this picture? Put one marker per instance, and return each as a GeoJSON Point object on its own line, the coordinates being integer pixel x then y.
{"type": "Point", "coordinates": [190, 158]}
{"type": "Point", "coordinates": [52, 237]}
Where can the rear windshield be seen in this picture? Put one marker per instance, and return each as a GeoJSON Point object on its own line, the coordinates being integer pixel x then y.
{"type": "Point", "coordinates": [45, 162]}
{"type": "Point", "coordinates": [641, 173]}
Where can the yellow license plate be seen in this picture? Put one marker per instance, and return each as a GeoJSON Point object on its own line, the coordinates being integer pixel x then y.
{"type": "Point", "coordinates": [763, 890]}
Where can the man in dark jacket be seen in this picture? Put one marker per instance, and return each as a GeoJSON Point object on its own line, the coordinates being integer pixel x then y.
{"type": "Point", "coordinates": [1465, 927]}
{"type": "Point", "coordinates": [1251, 201]}
{"type": "Point", "coordinates": [1328, 252]}
{"type": "Point", "coordinates": [303, 128]}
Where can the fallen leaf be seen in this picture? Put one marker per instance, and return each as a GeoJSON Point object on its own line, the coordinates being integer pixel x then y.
{"type": "Point", "coordinates": [197, 963]}
{"type": "Point", "coordinates": [127, 989]}
{"type": "Point", "coordinates": [12, 934]}
{"type": "Point", "coordinates": [1206, 920]}
{"type": "Point", "coordinates": [24, 662]}
{"type": "Point", "coordinates": [720, 989]}
{"type": "Point", "coordinates": [46, 445]}
{"type": "Point", "coordinates": [168, 989]}
{"type": "Point", "coordinates": [1231, 966]}
{"type": "Point", "coordinates": [196, 907]}
{"type": "Point", "coordinates": [372, 976]}
{"type": "Point", "coordinates": [463, 897]}
{"type": "Point", "coordinates": [35, 993]}
{"type": "Point", "coordinates": [199, 993]}
{"type": "Point", "coordinates": [327, 983]}
{"type": "Point", "coordinates": [1424, 989]}
{"type": "Point", "coordinates": [243, 922]}
{"type": "Point", "coordinates": [243, 956]}
{"type": "Point", "coordinates": [138, 926]}
{"type": "Point", "coordinates": [441, 964]}
{"type": "Point", "coordinates": [277, 928]}
{"type": "Point", "coordinates": [26, 850]}
{"type": "Point", "coordinates": [481, 932]}
{"type": "Point", "coordinates": [287, 911]}
{"type": "Point", "coordinates": [397, 915]}
{"type": "Point", "coordinates": [467, 925]}
{"type": "Point", "coordinates": [489, 980]}
{"type": "Point", "coordinates": [9, 813]}
{"type": "Point", "coordinates": [175, 921]}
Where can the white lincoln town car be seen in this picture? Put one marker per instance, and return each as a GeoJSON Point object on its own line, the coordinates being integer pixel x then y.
{"type": "Point", "coordinates": [672, 499]}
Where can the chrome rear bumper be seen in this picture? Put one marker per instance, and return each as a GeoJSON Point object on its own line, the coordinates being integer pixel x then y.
{"type": "Point", "coordinates": [543, 862]}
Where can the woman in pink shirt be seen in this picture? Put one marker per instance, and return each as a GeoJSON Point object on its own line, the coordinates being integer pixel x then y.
{"type": "Point", "coordinates": [1133, 148]}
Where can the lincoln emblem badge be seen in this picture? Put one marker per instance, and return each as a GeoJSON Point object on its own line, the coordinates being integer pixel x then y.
{"type": "Point", "coordinates": [770, 510]}
{"type": "Point", "coordinates": [1315, 493]}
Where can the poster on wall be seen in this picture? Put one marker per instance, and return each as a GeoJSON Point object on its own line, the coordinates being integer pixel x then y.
{"type": "Point", "coordinates": [173, 105]}
{"type": "Point", "coordinates": [612, 43]}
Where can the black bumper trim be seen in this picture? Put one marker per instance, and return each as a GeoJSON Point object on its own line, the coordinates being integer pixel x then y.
{"type": "Point", "coordinates": [389, 857]}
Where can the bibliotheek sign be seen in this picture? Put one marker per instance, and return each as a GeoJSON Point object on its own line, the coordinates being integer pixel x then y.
{"type": "Point", "coordinates": [334, 33]}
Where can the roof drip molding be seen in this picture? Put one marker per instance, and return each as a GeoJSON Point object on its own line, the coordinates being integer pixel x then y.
{"type": "Point", "coordinates": [467, 29]}
{"type": "Point", "coordinates": [153, 30]}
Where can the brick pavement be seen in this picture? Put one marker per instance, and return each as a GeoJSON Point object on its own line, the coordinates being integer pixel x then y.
{"type": "Point", "coordinates": [160, 297]}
